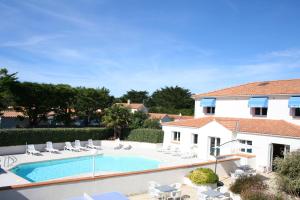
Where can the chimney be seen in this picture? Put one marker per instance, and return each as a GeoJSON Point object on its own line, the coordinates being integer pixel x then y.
{"type": "Point", "coordinates": [128, 101]}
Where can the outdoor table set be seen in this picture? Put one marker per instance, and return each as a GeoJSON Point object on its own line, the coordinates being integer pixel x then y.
{"type": "Point", "coordinates": [213, 195]}
{"type": "Point", "coordinates": [169, 192]}
{"type": "Point", "coordinates": [244, 170]}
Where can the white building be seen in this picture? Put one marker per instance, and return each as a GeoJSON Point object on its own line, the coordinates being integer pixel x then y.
{"type": "Point", "coordinates": [134, 107]}
{"type": "Point", "coordinates": [261, 119]}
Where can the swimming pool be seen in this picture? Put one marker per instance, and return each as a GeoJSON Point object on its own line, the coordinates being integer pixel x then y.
{"type": "Point", "coordinates": [54, 169]}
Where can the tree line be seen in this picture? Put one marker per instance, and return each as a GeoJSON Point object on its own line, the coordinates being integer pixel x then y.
{"type": "Point", "coordinates": [37, 100]}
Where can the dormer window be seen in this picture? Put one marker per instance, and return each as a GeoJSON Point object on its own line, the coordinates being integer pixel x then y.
{"type": "Point", "coordinates": [258, 106]}
{"type": "Point", "coordinates": [209, 105]}
{"type": "Point", "coordinates": [294, 105]}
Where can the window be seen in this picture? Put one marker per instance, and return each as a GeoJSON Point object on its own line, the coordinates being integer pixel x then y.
{"type": "Point", "coordinates": [176, 136]}
{"type": "Point", "coordinates": [214, 143]}
{"type": "Point", "coordinates": [260, 111]}
{"type": "Point", "coordinates": [246, 146]}
{"type": "Point", "coordinates": [209, 110]}
{"type": "Point", "coordinates": [195, 138]}
{"type": "Point", "coordinates": [296, 112]}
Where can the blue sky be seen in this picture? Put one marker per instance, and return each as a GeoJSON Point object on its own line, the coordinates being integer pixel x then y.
{"type": "Point", "coordinates": [149, 44]}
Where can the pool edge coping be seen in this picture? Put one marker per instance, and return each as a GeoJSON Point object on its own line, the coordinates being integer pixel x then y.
{"type": "Point", "coordinates": [99, 177]}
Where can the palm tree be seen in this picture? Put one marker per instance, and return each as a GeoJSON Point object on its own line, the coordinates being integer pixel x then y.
{"type": "Point", "coordinates": [116, 117]}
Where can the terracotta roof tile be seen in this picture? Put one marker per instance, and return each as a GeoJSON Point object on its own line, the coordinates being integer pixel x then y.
{"type": "Point", "coordinates": [280, 87]}
{"type": "Point", "coordinates": [157, 115]}
{"type": "Point", "coordinates": [132, 105]}
{"type": "Point", "coordinates": [180, 117]}
{"type": "Point", "coordinates": [260, 126]}
{"type": "Point", "coordinates": [11, 114]}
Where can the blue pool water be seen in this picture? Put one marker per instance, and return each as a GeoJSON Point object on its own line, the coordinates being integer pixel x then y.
{"type": "Point", "coordinates": [47, 170]}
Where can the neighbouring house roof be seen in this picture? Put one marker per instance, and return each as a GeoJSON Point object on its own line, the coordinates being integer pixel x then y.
{"type": "Point", "coordinates": [157, 115]}
{"type": "Point", "coordinates": [11, 114]}
{"type": "Point", "coordinates": [173, 116]}
{"type": "Point", "coordinates": [258, 126]}
{"type": "Point", "coordinates": [180, 117]}
{"type": "Point", "coordinates": [280, 87]}
{"type": "Point", "coordinates": [132, 105]}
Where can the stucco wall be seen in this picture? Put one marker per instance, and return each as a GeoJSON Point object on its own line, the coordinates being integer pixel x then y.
{"type": "Point", "coordinates": [238, 107]}
{"type": "Point", "coordinates": [213, 129]}
{"type": "Point", "coordinates": [129, 184]}
{"type": "Point", "coordinates": [261, 146]}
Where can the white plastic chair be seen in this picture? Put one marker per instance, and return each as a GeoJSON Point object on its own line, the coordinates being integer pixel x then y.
{"type": "Point", "coordinates": [127, 147]}
{"type": "Point", "coordinates": [92, 146]}
{"type": "Point", "coordinates": [118, 145]}
{"type": "Point", "coordinates": [49, 147]}
{"type": "Point", "coordinates": [68, 146]}
{"type": "Point", "coordinates": [31, 149]}
{"type": "Point", "coordinates": [174, 195]}
{"type": "Point", "coordinates": [78, 145]}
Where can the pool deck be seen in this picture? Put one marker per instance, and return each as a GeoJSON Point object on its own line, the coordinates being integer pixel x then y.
{"type": "Point", "coordinates": [8, 178]}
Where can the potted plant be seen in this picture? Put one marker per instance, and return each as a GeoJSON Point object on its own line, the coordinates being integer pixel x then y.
{"type": "Point", "coordinates": [202, 178]}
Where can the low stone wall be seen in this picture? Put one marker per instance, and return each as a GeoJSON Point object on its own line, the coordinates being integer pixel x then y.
{"type": "Point", "coordinates": [126, 183]}
{"type": "Point", "coordinates": [10, 150]}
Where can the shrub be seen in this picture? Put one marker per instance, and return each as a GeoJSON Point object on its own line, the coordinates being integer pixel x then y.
{"type": "Point", "coordinates": [288, 170]}
{"type": "Point", "coordinates": [10, 137]}
{"type": "Point", "coordinates": [146, 135]}
{"type": "Point", "coordinates": [244, 183]}
{"type": "Point", "coordinates": [251, 194]}
{"type": "Point", "coordinates": [202, 176]}
{"type": "Point", "coordinates": [152, 123]}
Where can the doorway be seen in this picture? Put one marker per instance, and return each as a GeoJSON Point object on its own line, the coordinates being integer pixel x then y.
{"type": "Point", "coordinates": [278, 151]}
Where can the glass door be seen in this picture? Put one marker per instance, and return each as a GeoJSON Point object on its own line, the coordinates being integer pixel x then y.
{"type": "Point", "coordinates": [214, 146]}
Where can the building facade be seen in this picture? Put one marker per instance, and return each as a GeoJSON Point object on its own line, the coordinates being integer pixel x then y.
{"type": "Point", "coordinates": [261, 119]}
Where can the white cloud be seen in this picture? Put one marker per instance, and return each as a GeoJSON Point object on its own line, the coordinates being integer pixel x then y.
{"type": "Point", "coordinates": [34, 40]}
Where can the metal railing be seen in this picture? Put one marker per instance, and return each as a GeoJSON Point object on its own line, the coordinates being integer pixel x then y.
{"type": "Point", "coordinates": [9, 161]}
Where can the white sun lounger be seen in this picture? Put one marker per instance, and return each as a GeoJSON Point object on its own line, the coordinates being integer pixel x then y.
{"type": "Point", "coordinates": [78, 145]}
{"type": "Point", "coordinates": [118, 144]}
{"type": "Point", "coordinates": [49, 147]}
{"type": "Point", "coordinates": [164, 149]}
{"type": "Point", "coordinates": [189, 155]}
{"type": "Point", "coordinates": [127, 147]}
{"type": "Point", "coordinates": [31, 149]}
{"type": "Point", "coordinates": [69, 147]}
{"type": "Point", "coordinates": [92, 146]}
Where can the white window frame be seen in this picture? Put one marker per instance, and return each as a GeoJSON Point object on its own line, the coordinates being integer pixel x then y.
{"type": "Point", "coordinates": [245, 146]}
{"type": "Point", "coordinates": [216, 151]}
{"type": "Point", "coordinates": [176, 136]}
{"type": "Point", "coordinates": [260, 112]}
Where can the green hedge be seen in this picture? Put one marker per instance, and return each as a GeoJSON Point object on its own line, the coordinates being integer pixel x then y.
{"type": "Point", "coordinates": [10, 137]}
{"type": "Point", "coordinates": [146, 135]}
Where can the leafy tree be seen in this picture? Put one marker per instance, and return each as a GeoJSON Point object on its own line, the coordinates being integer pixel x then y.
{"type": "Point", "coordinates": [89, 100]}
{"type": "Point", "coordinates": [152, 123]}
{"type": "Point", "coordinates": [116, 117]}
{"type": "Point", "coordinates": [137, 119]}
{"type": "Point", "coordinates": [64, 99]}
{"type": "Point", "coordinates": [6, 81]}
{"type": "Point", "coordinates": [135, 96]}
{"type": "Point", "coordinates": [172, 100]}
{"type": "Point", "coordinates": [34, 100]}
